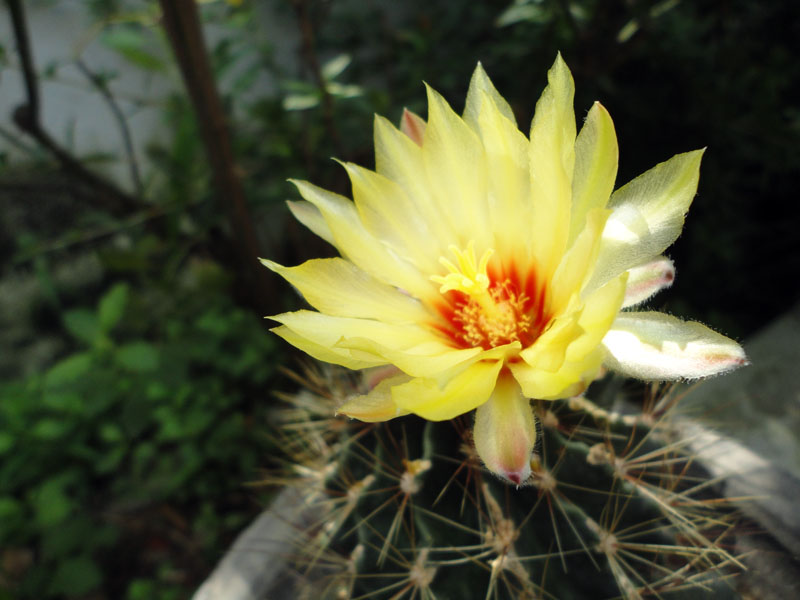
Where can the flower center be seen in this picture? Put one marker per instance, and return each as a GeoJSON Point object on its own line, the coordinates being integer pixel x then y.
{"type": "Point", "coordinates": [481, 308]}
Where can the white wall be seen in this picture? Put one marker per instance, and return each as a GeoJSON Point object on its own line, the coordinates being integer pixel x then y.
{"type": "Point", "coordinates": [74, 113]}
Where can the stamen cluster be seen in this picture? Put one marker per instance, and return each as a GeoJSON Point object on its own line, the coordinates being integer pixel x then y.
{"type": "Point", "coordinates": [505, 321]}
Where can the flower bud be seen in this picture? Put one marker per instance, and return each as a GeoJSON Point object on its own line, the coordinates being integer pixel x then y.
{"type": "Point", "coordinates": [505, 431]}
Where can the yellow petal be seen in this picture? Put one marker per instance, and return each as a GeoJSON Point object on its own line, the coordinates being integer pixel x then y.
{"type": "Point", "coordinates": [388, 213]}
{"type": "Point", "coordinates": [599, 312]}
{"type": "Point", "coordinates": [571, 379]}
{"type": "Point", "coordinates": [596, 156]}
{"type": "Point", "coordinates": [309, 215]}
{"type": "Point", "coordinates": [505, 431]}
{"type": "Point", "coordinates": [337, 287]}
{"type": "Point", "coordinates": [549, 351]}
{"type": "Point", "coordinates": [328, 331]}
{"type": "Point", "coordinates": [377, 405]}
{"type": "Point", "coordinates": [648, 215]}
{"type": "Point", "coordinates": [336, 356]}
{"type": "Point", "coordinates": [428, 359]}
{"type": "Point", "coordinates": [398, 158]}
{"type": "Point", "coordinates": [552, 159]}
{"type": "Point", "coordinates": [359, 245]}
{"type": "Point", "coordinates": [510, 207]}
{"type": "Point", "coordinates": [480, 89]}
{"type": "Point", "coordinates": [464, 392]}
{"type": "Point", "coordinates": [456, 171]}
{"type": "Point", "coordinates": [431, 359]}
{"type": "Point", "coordinates": [578, 262]}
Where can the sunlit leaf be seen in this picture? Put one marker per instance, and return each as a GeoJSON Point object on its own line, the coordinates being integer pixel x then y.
{"type": "Point", "coordinates": [112, 306]}
{"type": "Point", "coordinates": [138, 356]}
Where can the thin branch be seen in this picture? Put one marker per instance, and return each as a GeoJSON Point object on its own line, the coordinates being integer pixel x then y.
{"type": "Point", "coordinates": [127, 140]}
{"type": "Point", "coordinates": [181, 22]}
{"type": "Point", "coordinates": [24, 49]}
{"type": "Point", "coordinates": [27, 118]}
{"type": "Point", "coordinates": [142, 218]}
{"type": "Point", "coordinates": [15, 140]}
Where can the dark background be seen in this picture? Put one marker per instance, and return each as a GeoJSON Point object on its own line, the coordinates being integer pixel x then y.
{"type": "Point", "coordinates": [136, 371]}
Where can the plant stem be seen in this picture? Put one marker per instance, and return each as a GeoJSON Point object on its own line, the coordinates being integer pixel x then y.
{"type": "Point", "coordinates": [181, 22]}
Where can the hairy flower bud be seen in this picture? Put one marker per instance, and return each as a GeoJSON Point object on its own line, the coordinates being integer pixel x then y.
{"type": "Point", "coordinates": [505, 431]}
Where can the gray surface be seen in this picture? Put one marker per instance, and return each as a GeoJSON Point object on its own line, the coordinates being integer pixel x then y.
{"type": "Point", "coordinates": [258, 565]}
{"type": "Point", "coordinates": [746, 429]}
{"type": "Point", "coordinates": [759, 405]}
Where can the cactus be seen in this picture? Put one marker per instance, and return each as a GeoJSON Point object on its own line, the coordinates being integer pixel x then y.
{"type": "Point", "coordinates": [614, 507]}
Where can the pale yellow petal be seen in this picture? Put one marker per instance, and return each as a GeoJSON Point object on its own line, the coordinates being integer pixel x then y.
{"type": "Point", "coordinates": [652, 345]}
{"type": "Point", "coordinates": [431, 359]}
{"type": "Point", "coordinates": [579, 261]}
{"type": "Point", "coordinates": [337, 287]}
{"type": "Point", "coordinates": [510, 208]}
{"type": "Point", "coordinates": [390, 215]}
{"type": "Point", "coordinates": [359, 245]}
{"type": "Point", "coordinates": [596, 157]}
{"type": "Point", "coordinates": [599, 311]}
{"type": "Point", "coordinates": [549, 351]}
{"type": "Point", "coordinates": [648, 215]}
{"type": "Point", "coordinates": [377, 405]}
{"type": "Point", "coordinates": [329, 354]}
{"type": "Point", "coordinates": [464, 392]}
{"type": "Point", "coordinates": [428, 359]}
{"type": "Point", "coordinates": [398, 158]}
{"type": "Point", "coordinates": [552, 160]}
{"type": "Point", "coordinates": [328, 331]}
{"type": "Point", "coordinates": [481, 87]}
{"type": "Point", "coordinates": [571, 379]}
{"type": "Point", "coordinates": [309, 215]}
{"type": "Point", "coordinates": [456, 171]}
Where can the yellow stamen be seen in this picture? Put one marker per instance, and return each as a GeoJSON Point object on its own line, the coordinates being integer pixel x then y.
{"type": "Point", "coordinates": [469, 276]}
{"type": "Point", "coordinates": [494, 312]}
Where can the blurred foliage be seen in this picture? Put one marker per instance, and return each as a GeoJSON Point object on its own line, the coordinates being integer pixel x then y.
{"type": "Point", "coordinates": [135, 445]}
{"type": "Point", "coordinates": [134, 390]}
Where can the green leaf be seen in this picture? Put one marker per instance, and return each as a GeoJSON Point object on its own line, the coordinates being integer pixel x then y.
{"type": "Point", "coordinates": [6, 443]}
{"type": "Point", "coordinates": [11, 515]}
{"type": "Point", "coordinates": [142, 589]}
{"type": "Point", "coordinates": [68, 401]}
{"type": "Point", "coordinates": [68, 370]}
{"type": "Point", "coordinates": [51, 503]}
{"type": "Point", "coordinates": [76, 577]}
{"type": "Point", "coordinates": [345, 91]}
{"type": "Point", "coordinates": [50, 429]}
{"type": "Point", "coordinates": [110, 460]}
{"type": "Point", "coordinates": [69, 538]}
{"type": "Point", "coordinates": [138, 357]}
{"type": "Point", "coordinates": [523, 10]}
{"type": "Point", "coordinates": [131, 44]}
{"type": "Point", "coordinates": [111, 433]}
{"type": "Point", "coordinates": [83, 325]}
{"type": "Point", "coordinates": [112, 306]}
{"type": "Point", "coordinates": [298, 102]}
{"type": "Point", "coordinates": [334, 67]}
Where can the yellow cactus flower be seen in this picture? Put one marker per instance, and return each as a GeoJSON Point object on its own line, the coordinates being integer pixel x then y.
{"type": "Point", "coordinates": [491, 269]}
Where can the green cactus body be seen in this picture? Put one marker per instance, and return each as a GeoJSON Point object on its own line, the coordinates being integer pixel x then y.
{"type": "Point", "coordinates": [403, 509]}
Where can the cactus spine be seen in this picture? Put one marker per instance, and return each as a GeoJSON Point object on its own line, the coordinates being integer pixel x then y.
{"type": "Point", "coordinates": [615, 507]}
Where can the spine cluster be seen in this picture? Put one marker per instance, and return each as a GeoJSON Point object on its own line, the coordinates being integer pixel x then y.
{"type": "Point", "coordinates": [614, 508]}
